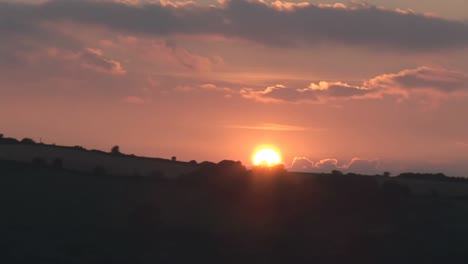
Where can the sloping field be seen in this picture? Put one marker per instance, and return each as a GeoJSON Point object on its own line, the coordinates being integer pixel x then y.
{"type": "Point", "coordinates": [87, 161]}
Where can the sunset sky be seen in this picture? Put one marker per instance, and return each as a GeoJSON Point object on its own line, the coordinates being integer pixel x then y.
{"type": "Point", "coordinates": [373, 86]}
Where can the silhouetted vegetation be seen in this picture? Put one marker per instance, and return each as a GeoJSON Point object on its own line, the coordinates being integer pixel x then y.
{"type": "Point", "coordinates": [8, 141]}
{"type": "Point", "coordinates": [79, 148]}
{"type": "Point", "coordinates": [431, 176]}
{"type": "Point", "coordinates": [115, 150]}
{"type": "Point", "coordinates": [28, 141]}
{"type": "Point", "coordinates": [336, 172]}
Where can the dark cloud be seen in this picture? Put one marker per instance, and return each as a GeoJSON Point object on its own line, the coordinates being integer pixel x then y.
{"type": "Point", "coordinates": [275, 24]}
{"type": "Point", "coordinates": [406, 83]}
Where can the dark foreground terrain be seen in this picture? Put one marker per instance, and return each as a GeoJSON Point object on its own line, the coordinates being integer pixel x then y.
{"type": "Point", "coordinates": [223, 214]}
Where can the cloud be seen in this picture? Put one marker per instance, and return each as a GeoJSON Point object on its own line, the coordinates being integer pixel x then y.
{"type": "Point", "coordinates": [363, 166]}
{"type": "Point", "coordinates": [273, 24]}
{"type": "Point", "coordinates": [288, 6]}
{"type": "Point", "coordinates": [302, 164]}
{"type": "Point", "coordinates": [327, 165]}
{"type": "Point", "coordinates": [462, 144]}
{"type": "Point", "coordinates": [314, 93]}
{"type": "Point", "coordinates": [88, 58]}
{"type": "Point", "coordinates": [421, 79]}
{"type": "Point", "coordinates": [270, 126]}
{"type": "Point", "coordinates": [95, 60]}
{"type": "Point", "coordinates": [213, 87]}
{"type": "Point", "coordinates": [165, 52]}
{"type": "Point", "coordinates": [134, 100]}
{"type": "Point", "coordinates": [356, 165]}
{"type": "Point", "coordinates": [427, 81]}
{"type": "Point", "coordinates": [275, 93]}
{"type": "Point", "coordinates": [208, 87]}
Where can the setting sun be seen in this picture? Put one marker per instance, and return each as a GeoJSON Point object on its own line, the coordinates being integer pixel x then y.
{"type": "Point", "coordinates": [266, 157]}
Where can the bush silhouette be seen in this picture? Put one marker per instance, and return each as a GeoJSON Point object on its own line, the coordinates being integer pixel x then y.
{"type": "Point", "coordinates": [336, 173]}
{"type": "Point", "coordinates": [115, 150]}
{"type": "Point", "coordinates": [28, 141]}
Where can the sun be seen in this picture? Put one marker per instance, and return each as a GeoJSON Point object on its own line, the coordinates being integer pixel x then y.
{"type": "Point", "coordinates": [266, 157]}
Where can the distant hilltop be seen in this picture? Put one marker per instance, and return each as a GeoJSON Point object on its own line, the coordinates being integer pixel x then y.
{"type": "Point", "coordinates": [95, 161]}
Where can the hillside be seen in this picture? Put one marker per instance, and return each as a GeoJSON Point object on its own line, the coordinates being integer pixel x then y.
{"type": "Point", "coordinates": [80, 159]}
{"type": "Point", "coordinates": [223, 214]}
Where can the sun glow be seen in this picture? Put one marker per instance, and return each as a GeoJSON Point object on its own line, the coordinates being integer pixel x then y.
{"type": "Point", "coordinates": [266, 157]}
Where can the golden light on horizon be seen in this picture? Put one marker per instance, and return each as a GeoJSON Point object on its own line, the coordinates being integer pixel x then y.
{"type": "Point", "coordinates": [266, 156]}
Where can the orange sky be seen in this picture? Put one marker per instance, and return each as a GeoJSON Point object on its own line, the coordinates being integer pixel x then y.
{"type": "Point", "coordinates": [362, 88]}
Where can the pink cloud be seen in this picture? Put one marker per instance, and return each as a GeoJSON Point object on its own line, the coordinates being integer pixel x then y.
{"type": "Point", "coordinates": [134, 100]}
{"type": "Point", "coordinates": [425, 83]}
{"type": "Point", "coordinates": [176, 4]}
{"type": "Point", "coordinates": [355, 165]}
{"type": "Point", "coordinates": [89, 58]}
{"type": "Point", "coordinates": [94, 59]}
{"type": "Point", "coordinates": [288, 6]}
{"type": "Point", "coordinates": [167, 54]}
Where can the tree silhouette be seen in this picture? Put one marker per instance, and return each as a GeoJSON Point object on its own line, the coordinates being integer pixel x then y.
{"type": "Point", "coordinates": [336, 173]}
{"type": "Point", "coordinates": [115, 150]}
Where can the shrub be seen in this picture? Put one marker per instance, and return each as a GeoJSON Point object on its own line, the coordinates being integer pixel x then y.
{"type": "Point", "coordinates": [336, 173]}
{"type": "Point", "coordinates": [115, 150]}
{"type": "Point", "coordinates": [27, 141]}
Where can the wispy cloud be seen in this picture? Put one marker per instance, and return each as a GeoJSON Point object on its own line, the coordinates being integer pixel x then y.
{"type": "Point", "coordinates": [270, 126]}
{"type": "Point", "coordinates": [132, 99]}
{"type": "Point", "coordinates": [426, 81]}
{"type": "Point", "coordinates": [462, 144]}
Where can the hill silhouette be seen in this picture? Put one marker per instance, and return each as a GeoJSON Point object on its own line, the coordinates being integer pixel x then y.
{"type": "Point", "coordinates": [225, 213]}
